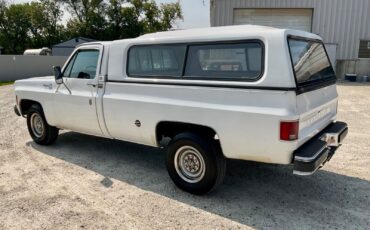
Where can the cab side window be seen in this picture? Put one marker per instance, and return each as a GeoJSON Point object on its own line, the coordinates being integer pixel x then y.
{"type": "Point", "coordinates": [82, 65]}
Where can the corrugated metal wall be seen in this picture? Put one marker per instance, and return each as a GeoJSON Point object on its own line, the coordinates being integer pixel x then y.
{"type": "Point", "coordinates": [343, 22]}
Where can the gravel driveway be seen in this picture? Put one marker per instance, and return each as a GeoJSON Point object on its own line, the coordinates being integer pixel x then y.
{"type": "Point", "coordinates": [95, 183]}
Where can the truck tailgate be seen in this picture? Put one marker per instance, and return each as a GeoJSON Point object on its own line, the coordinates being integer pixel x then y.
{"type": "Point", "coordinates": [317, 109]}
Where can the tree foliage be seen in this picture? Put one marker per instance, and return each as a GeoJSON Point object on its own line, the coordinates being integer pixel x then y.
{"type": "Point", "coordinates": [39, 23]}
{"type": "Point", "coordinates": [14, 27]}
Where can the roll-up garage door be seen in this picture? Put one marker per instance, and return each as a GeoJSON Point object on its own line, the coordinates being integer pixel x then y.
{"type": "Point", "coordinates": [298, 19]}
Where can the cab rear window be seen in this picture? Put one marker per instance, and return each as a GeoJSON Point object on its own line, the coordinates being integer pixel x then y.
{"type": "Point", "coordinates": [310, 62]}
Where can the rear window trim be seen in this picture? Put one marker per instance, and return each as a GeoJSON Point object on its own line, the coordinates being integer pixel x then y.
{"type": "Point", "coordinates": [303, 88]}
{"type": "Point", "coordinates": [188, 44]}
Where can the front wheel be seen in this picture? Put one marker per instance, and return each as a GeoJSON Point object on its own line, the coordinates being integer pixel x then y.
{"type": "Point", "coordinates": [194, 163]}
{"type": "Point", "coordinates": [40, 131]}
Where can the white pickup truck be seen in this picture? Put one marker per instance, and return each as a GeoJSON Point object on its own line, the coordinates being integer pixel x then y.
{"type": "Point", "coordinates": [241, 92]}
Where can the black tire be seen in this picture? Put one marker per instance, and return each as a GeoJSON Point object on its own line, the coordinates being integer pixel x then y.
{"type": "Point", "coordinates": [209, 150]}
{"type": "Point", "coordinates": [48, 135]}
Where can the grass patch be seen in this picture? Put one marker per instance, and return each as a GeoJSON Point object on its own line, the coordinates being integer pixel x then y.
{"type": "Point", "coordinates": [6, 83]}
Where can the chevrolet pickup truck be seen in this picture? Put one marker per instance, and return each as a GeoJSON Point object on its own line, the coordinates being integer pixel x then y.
{"type": "Point", "coordinates": [205, 95]}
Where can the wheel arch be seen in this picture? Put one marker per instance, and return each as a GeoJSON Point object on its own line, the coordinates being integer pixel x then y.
{"type": "Point", "coordinates": [172, 128]}
{"type": "Point", "coordinates": [25, 105]}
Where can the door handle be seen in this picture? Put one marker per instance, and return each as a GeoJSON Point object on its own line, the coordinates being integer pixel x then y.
{"type": "Point", "coordinates": [92, 84]}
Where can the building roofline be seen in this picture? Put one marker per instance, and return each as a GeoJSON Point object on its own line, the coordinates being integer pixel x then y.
{"type": "Point", "coordinates": [56, 46]}
{"type": "Point", "coordinates": [80, 38]}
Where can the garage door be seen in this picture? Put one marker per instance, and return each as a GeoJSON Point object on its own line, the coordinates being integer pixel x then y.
{"type": "Point", "coordinates": [298, 19]}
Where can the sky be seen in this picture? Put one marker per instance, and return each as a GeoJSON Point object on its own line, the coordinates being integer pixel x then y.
{"type": "Point", "coordinates": [195, 12]}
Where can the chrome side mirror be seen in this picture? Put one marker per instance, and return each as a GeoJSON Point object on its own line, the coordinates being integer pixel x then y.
{"type": "Point", "coordinates": [58, 74]}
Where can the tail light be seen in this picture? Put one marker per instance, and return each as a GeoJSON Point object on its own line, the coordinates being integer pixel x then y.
{"type": "Point", "coordinates": [289, 130]}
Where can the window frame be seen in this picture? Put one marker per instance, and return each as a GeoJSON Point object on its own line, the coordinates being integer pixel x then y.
{"type": "Point", "coordinates": [151, 76]}
{"type": "Point", "coordinates": [309, 86]}
{"type": "Point", "coordinates": [187, 45]}
{"type": "Point", "coordinates": [71, 59]}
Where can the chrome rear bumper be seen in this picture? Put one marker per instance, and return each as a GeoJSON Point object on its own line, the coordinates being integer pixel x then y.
{"type": "Point", "coordinates": [317, 151]}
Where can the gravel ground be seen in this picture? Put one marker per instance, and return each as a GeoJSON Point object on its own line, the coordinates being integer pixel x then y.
{"type": "Point", "coordinates": [95, 183]}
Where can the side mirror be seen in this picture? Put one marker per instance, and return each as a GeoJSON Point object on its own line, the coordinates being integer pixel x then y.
{"type": "Point", "coordinates": [58, 74]}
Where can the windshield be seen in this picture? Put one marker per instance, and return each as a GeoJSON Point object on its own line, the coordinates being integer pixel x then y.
{"type": "Point", "coordinates": [310, 61]}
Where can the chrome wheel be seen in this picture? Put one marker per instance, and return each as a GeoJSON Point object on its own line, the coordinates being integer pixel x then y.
{"type": "Point", "coordinates": [189, 164]}
{"type": "Point", "coordinates": [37, 125]}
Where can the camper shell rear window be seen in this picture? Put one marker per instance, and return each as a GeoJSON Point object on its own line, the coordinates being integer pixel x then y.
{"type": "Point", "coordinates": [311, 64]}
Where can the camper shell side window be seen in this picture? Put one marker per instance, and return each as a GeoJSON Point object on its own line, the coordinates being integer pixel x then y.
{"type": "Point", "coordinates": [227, 61]}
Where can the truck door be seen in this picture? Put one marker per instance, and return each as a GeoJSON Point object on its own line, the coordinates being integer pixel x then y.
{"type": "Point", "coordinates": [75, 99]}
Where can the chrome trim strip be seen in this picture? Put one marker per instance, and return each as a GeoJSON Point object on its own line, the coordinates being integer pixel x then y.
{"type": "Point", "coordinates": [192, 83]}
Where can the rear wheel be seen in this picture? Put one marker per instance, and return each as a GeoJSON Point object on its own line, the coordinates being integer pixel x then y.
{"type": "Point", "coordinates": [40, 131]}
{"type": "Point", "coordinates": [194, 163]}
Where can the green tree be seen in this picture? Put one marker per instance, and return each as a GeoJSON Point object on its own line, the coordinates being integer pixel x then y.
{"type": "Point", "coordinates": [38, 24]}
{"type": "Point", "coordinates": [123, 20]}
{"type": "Point", "coordinates": [127, 19]}
{"type": "Point", "coordinates": [88, 18]}
{"type": "Point", "coordinates": [14, 27]}
{"type": "Point", "coordinates": [31, 25]}
{"type": "Point", "coordinates": [53, 30]}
